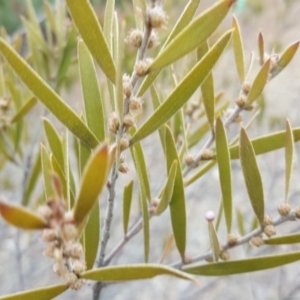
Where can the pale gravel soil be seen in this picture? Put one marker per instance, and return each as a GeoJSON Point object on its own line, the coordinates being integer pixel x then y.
{"type": "Point", "coordinates": [283, 100]}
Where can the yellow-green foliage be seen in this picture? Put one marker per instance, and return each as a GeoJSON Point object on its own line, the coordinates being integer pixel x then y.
{"type": "Point", "coordinates": [112, 124]}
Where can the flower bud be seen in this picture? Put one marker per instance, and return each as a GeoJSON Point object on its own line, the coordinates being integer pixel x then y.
{"type": "Point", "coordinates": [207, 154]}
{"type": "Point", "coordinates": [154, 40]}
{"type": "Point", "coordinates": [241, 101]}
{"type": "Point", "coordinates": [124, 143]}
{"type": "Point", "coordinates": [209, 216]}
{"type": "Point", "coordinates": [232, 238]}
{"type": "Point", "coordinates": [157, 17]}
{"type": "Point", "coordinates": [267, 220]}
{"type": "Point", "coordinates": [114, 122]}
{"type": "Point", "coordinates": [224, 255]}
{"type": "Point", "coordinates": [123, 167]}
{"type": "Point", "coordinates": [189, 159]}
{"type": "Point", "coordinates": [246, 87]}
{"type": "Point", "coordinates": [69, 232]}
{"type": "Point", "coordinates": [128, 122]}
{"type": "Point", "coordinates": [127, 86]}
{"type": "Point", "coordinates": [134, 38]}
{"type": "Point", "coordinates": [284, 209]}
{"type": "Point", "coordinates": [49, 235]}
{"type": "Point", "coordinates": [45, 212]}
{"type": "Point", "coordinates": [135, 105]}
{"type": "Point", "coordinates": [269, 230]}
{"type": "Point", "coordinates": [142, 66]}
{"type": "Point", "coordinates": [78, 284]}
{"type": "Point", "coordinates": [79, 266]}
{"type": "Point", "coordinates": [70, 278]}
{"type": "Point", "coordinates": [50, 249]}
{"type": "Point", "coordinates": [257, 241]}
{"type": "Point", "coordinates": [73, 250]}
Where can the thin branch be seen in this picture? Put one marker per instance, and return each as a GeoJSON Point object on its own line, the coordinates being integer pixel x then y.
{"type": "Point", "coordinates": [130, 234]}
{"type": "Point", "coordinates": [242, 240]}
{"type": "Point", "coordinates": [228, 121]}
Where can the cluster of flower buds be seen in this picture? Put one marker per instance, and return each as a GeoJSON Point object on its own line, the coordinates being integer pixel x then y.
{"type": "Point", "coordinates": [61, 236]}
{"type": "Point", "coordinates": [242, 99]}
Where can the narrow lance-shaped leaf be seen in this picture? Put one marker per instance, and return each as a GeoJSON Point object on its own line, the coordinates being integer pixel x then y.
{"type": "Point", "coordinates": [207, 90]}
{"type": "Point", "coordinates": [45, 293]}
{"type": "Point", "coordinates": [47, 170]}
{"type": "Point", "coordinates": [240, 222]}
{"type": "Point", "coordinates": [90, 30]}
{"type": "Point", "coordinates": [47, 96]}
{"type": "Point", "coordinates": [108, 22]}
{"type": "Point", "coordinates": [145, 196]}
{"type": "Point", "coordinates": [223, 159]}
{"type": "Point", "coordinates": [252, 176]}
{"type": "Point", "coordinates": [32, 179]}
{"type": "Point", "coordinates": [238, 50]}
{"type": "Point", "coordinates": [267, 143]}
{"type": "Point", "coordinates": [24, 109]}
{"type": "Point", "coordinates": [259, 83]}
{"type": "Point", "coordinates": [167, 248]}
{"type": "Point", "coordinates": [127, 199]}
{"type": "Point", "coordinates": [54, 141]}
{"type": "Point", "coordinates": [261, 48]}
{"type": "Point", "coordinates": [214, 242]}
{"type": "Point", "coordinates": [156, 103]}
{"type": "Point", "coordinates": [183, 91]}
{"type": "Point", "coordinates": [93, 179]}
{"type": "Point", "coordinates": [244, 265]}
{"type": "Point", "coordinates": [177, 203]}
{"type": "Point", "coordinates": [21, 217]}
{"type": "Point", "coordinates": [132, 272]}
{"type": "Point", "coordinates": [141, 168]}
{"type": "Point", "coordinates": [285, 58]}
{"type": "Point", "coordinates": [66, 58]}
{"type": "Point", "coordinates": [92, 236]}
{"type": "Point", "coordinates": [91, 93]}
{"type": "Point", "coordinates": [167, 193]}
{"type": "Point", "coordinates": [192, 35]}
{"type": "Point", "coordinates": [67, 169]}
{"type": "Point", "coordinates": [119, 53]}
{"type": "Point", "coordinates": [184, 19]}
{"type": "Point", "coordinates": [289, 155]}
{"type": "Point", "coordinates": [284, 239]}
